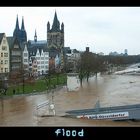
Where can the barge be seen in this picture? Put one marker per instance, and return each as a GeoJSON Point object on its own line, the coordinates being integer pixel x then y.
{"type": "Point", "coordinates": [126, 112]}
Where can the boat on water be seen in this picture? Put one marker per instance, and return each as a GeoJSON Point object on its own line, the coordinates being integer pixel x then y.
{"type": "Point", "coordinates": [126, 112]}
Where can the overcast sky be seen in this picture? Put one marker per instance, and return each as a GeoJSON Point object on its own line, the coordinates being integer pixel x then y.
{"type": "Point", "coordinates": [103, 29]}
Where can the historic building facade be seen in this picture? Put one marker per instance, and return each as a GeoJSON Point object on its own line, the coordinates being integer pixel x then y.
{"type": "Point", "coordinates": [55, 41]}
{"type": "Point", "coordinates": [55, 35]}
{"type": "Point", "coordinates": [38, 56]}
{"type": "Point", "coordinates": [25, 57]}
{"type": "Point", "coordinates": [15, 54]}
{"type": "Point", "coordinates": [4, 54]}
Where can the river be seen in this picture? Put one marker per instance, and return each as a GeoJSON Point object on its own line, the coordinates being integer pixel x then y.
{"type": "Point", "coordinates": [110, 90]}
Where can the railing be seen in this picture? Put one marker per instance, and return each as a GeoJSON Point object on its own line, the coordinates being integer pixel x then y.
{"type": "Point", "coordinates": [42, 104]}
{"type": "Point", "coordinates": [45, 104]}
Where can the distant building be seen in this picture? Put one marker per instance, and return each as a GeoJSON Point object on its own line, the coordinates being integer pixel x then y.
{"type": "Point", "coordinates": [101, 53]}
{"type": "Point", "coordinates": [55, 39]}
{"type": "Point", "coordinates": [39, 52]}
{"type": "Point", "coordinates": [72, 57]}
{"type": "Point", "coordinates": [55, 35]}
{"type": "Point", "coordinates": [119, 54]}
{"type": "Point", "coordinates": [4, 54]}
{"type": "Point", "coordinates": [125, 52]}
{"type": "Point", "coordinates": [114, 53]}
{"type": "Point", "coordinates": [20, 34]}
{"type": "Point", "coordinates": [25, 57]}
{"type": "Point", "coordinates": [87, 49]}
{"type": "Point", "coordinates": [15, 54]}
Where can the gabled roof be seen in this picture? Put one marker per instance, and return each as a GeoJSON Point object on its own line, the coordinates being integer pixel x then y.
{"type": "Point", "coordinates": [11, 40]}
{"type": "Point", "coordinates": [39, 45]}
{"type": "Point", "coordinates": [1, 36]}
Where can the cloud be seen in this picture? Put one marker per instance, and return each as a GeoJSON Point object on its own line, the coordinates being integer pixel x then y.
{"type": "Point", "coordinates": [103, 28]}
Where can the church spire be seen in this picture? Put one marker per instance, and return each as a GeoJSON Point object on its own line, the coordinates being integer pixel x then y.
{"type": "Point", "coordinates": [22, 25]}
{"type": "Point", "coordinates": [48, 26]}
{"type": "Point", "coordinates": [56, 24]}
{"type": "Point", "coordinates": [35, 36]}
{"type": "Point", "coordinates": [17, 24]}
{"type": "Point", "coordinates": [62, 27]}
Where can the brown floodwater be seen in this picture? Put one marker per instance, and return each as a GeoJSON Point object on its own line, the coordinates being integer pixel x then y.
{"type": "Point", "coordinates": [110, 90]}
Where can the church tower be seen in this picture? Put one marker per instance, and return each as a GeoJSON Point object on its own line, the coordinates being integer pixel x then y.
{"type": "Point", "coordinates": [35, 37]}
{"type": "Point", "coordinates": [16, 32]}
{"type": "Point", "coordinates": [23, 32]}
{"type": "Point", "coordinates": [20, 34]}
{"type": "Point", "coordinates": [55, 35]}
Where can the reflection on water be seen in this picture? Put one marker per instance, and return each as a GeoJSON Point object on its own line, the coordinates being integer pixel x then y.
{"type": "Point", "coordinates": [111, 90]}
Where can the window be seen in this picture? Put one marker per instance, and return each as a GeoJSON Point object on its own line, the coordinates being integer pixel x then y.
{"type": "Point", "coordinates": [5, 54]}
{"type": "Point", "coordinates": [4, 48]}
{"type": "Point", "coordinates": [4, 41]}
{"type": "Point", "coordinates": [25, 60]}
{"type": "Point", "coordinates": [16, 53]}
{"type": "Point", "coordinates": [1, 54]}
{"type": "Point", "coordinates": [1, 69]}
{"type": "Point", "coordinates": [1, 61]}
{"type": "Point", "coordinates": [16, 46]}
{"type": "Point", "coordinates": [6, 61]}
{"type": "Point", "coordinates": [25, 55]}
{"type": "Point", "coordinates": [6, 69]}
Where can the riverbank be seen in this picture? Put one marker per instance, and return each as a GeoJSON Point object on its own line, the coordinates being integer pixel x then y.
{"type": "Point", "coordinates": [35, 86]}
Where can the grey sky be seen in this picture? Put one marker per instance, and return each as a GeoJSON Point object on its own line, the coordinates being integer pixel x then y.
{"type": "Point", "coordinates": [103, 29]}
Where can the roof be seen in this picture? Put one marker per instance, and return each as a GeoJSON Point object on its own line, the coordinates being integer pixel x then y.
{"type": "Point", "coordinates": [1, 36]}
{"type": "Point", "coordinates": [11, 40]}
{"type": "Point", "coordinates": [40, 42]}
{"type": "Point", "coordinates": [67, 49]}
{"type": "Point", "coordinates": [34, 46]}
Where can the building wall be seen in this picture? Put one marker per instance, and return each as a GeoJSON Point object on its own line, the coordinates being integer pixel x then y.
{"type": "Point", "coordinates": [34, 68]}
{"type": "Point", "coordinates": [42, 62]}
{"type": "Point", "coordinates": [25, 58]}
{"type": "Point", "coordinates": [16, 57]}
{"type": "Point", "coordinates": [73, 82]}
{"type": "Point", "coordinates": [55, 39]}
{"type": "Point", "coordinates": [4, 56]}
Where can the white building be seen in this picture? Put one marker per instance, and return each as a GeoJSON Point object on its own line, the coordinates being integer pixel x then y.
{"type": "Point", "coordinates": [73, 82]}
{"type": "Point", "coordinates": [38, 53]}
{"type": "Point", "coordinates": [42, 62]}
{"type": "Point", "coordinates": [25, 58]}
{"type": "Point", "coordinates": [4, 54]}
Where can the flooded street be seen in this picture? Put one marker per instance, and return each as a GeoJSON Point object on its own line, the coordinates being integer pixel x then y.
{"type": "Point", "coordinates": [111, 90]}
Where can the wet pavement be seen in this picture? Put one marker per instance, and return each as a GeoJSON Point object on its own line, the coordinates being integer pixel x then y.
{"type": "Point", "coordinates": [111, 90]}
